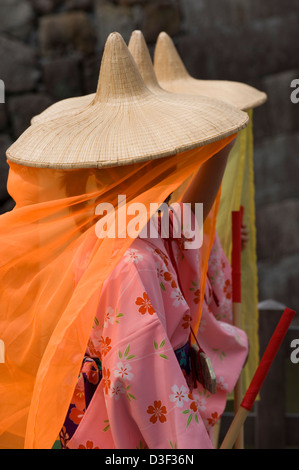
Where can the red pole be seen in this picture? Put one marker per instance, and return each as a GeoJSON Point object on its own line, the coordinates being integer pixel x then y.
{"type": "Point", "coordinates": [258, 378]}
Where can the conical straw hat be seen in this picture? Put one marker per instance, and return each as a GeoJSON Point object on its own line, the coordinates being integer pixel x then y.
{"type": "Point", "coordinates": [125, 123]}
{"type": "Point", "coordinates": [173, 76]}
{"type": "Point", "coordinates": [241, 95]}
{"type": "Point", "coordinates": [139, 50]}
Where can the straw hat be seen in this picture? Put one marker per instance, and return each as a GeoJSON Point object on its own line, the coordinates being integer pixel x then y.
{"type": "Point", "coordinates": [139, 50]}
{"type": "Point", "coordinates": [125, 123]}
{"type": "Point", "coordinates": [173, 76]}
{"type": "Point", "coordinates": [241, 95]}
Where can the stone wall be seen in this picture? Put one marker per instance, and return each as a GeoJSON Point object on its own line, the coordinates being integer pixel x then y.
{"type": "Point", "coordinates": [51, 49]}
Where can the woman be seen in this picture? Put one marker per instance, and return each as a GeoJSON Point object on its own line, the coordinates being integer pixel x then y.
{"type": "Point", "coordinates": [135, 388]}
{"type": "Point", "coordinates": [59, 279]}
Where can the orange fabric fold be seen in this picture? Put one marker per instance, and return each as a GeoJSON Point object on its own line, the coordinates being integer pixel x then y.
{"type": "Point", "coordinates": [46, 315]}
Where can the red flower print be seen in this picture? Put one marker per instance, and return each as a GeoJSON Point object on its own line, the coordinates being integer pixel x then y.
{"type": "Point", "coordinates": [187, 320]}
{"type": "Point", "coordinates": [88, 445]}
{"type": "Point", "coordinates": [193, 406]}
{"type": "Point", "coordinates": [196, 296]}
{"type": "Point", "coordinates": [168, 277]}
{"type": "Point", "coordinates": [158, 411]}
{"type": "Point", "coordinates": [106, 380]}
{"type": "Point", "coordinates": [214, 418]}
{"type": "Point", "coordinates": [105, 345]}
{"type": "Point", "coordinates": [145, 304]}
{"type": "Point", "coordinates": [76, 415]}
{"type": "Point", "coordinates": [160, 272]}
{"type": "Point", "coordinates": [227, 289]}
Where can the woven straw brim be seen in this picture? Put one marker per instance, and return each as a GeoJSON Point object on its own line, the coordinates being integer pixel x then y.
{"type": "Point", "coordinates": [107, 134]}
{"type": "Point", "coordinates": [60, 108]}
{"type": "Point", "coordinates": [238, 94]}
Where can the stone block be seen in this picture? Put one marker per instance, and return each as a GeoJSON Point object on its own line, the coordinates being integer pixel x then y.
{"type": "Point", "coordinates": [64, 32]}
{"type": "Point", "coordinates": [112, 18]}
{"type": "Point", "coordinates": [91, 70]}
{"type": "Point", "coordinates": [277, 229]}
{"type": "Point", "coordinates": [278, 280]}
{"type": "Point", "coordinates": [257, 10]}
{"type": "Point", "coordinates": [246, 51]}
{"type": "Point", "coordinates": [203, 15]}
{"type": "Point", "coordinates": [132, 2]}
{"type": "Point", "coordinates": [22, 109]}
{"type": "Point", "coordinates": [44, 7]}
{"type": "Point", "coordinates": [3, 117]}
{"type": "Point", "coordinates": [16, 18]}
{"type": "Point", "coordinates": [78, 4]}
{"type": "Point", "coordinates": [62, 77]}
{"type": "Point", "coordinates": [160, 16]}
{"type": "Point", "coordinates": [261, 125]}
{"type": "Point", "coordinates": [283, 115]}
{"type": "Point", "coordinates": [18, 66]}
{"type": "Point", "coordinates": [276, 168]}
{"type": "Point", "coordinates": [193, 51]}
{"type": "Point", "coordinates": [195, 17]}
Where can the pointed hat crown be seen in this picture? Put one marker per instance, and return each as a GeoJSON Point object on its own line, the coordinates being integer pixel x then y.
{"type": "Point", "coordinates": [139, 50]}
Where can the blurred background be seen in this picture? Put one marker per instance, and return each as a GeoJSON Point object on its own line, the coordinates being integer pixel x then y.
{"type": "Point", "coordinates": [51, 50]}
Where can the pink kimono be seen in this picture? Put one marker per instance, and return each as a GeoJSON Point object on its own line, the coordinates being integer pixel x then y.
{"type": "Point", "coordinates": [133, 389]}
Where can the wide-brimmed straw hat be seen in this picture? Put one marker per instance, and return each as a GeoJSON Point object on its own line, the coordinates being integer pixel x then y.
{"type": "Point", "coordinates": [172, 75]}
{"type": "Point", "coordinates": [125, 123]}
{"type": "Point", "coordinates": [238, 94]}
{"type": "Point", "coordinates": [139, 50]}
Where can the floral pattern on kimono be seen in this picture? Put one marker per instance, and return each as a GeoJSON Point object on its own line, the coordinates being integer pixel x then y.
{"type": "Point", "coordinates": [141, 396]}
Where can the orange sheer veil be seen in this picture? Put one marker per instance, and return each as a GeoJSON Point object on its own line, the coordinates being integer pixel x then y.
{"type": "Point", "coordinates": [46, 317]}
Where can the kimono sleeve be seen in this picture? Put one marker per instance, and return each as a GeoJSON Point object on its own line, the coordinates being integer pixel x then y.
{"type": "Point", "coordinates": [143, 400]}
